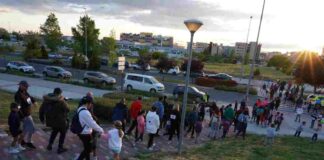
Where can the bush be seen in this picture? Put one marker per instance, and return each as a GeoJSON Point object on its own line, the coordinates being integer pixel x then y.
{"type": "Point", "coordinates": [239, 89]}
{"type": "Point", "coordinates": [164, 64]}
{"type": "Point", "coordinates": [32, 53]}
{"type": "Point", "coordinates": [78, 61]}
{"type": "Point", "coordinates": [257, 72]}
{"type": "Point", "coordinates": [210, 82]}
{"type": "Point", "coordinates": [196, 65]}
{"type": "Point", "coordinates": [57, 62]}
{"type": "Point", "coordinates": [94, 62]}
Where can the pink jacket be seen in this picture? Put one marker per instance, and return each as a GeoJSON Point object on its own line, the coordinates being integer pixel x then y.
{"type": "Point", "coordinates": [140, 124]}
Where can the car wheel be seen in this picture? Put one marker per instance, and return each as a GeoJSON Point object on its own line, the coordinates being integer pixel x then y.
{"type": "Point", "coordinates": [60, 76]}
{"type": "Point", "coordinates": [45, 74]}
{"type": "Point", "coordinates": [86, 80]}
{"type": "Point", "coordinates": [104, 84]}
{"type": "Point", "coordinates": [152, 90]}
{"type": "Point", "coordinates": [129, 88]}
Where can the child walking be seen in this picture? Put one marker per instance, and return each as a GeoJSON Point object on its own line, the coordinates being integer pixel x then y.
{"type": "Point", "coordinates": [198, 128]}
{"type": "Point", "coordinates": [214, 126]}
{"type": "Point", "coordinates": [15, 130]}
{"type": "Point", "coordinates": [271, 131]}
{"type": "Point", "coordinates": [140, 126]}
{"type": "Point", "coordinates": [316, 132]}
{"type": "Point", "coordinates": [300, 129]}
{"type": "Point", "coordinates": [115, 136]}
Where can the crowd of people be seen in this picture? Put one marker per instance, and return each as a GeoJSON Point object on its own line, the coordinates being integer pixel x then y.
{"type": "Point", "coordinates": [163, 119]}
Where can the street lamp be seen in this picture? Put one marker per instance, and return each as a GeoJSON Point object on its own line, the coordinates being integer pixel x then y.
{"type": "Point", "coordinates": [193, 25]}
{"type": "Point", "coordinates": [86, 32]}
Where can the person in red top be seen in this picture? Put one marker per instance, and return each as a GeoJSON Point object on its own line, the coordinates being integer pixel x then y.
{"type": "Point", "coordinates": [136, 108]}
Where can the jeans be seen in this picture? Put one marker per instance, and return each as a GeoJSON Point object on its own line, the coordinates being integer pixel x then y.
{"type": "Point", "coordinates": [151, 140]}
{"type": "Point", "coordinates": [87, 146]}
{"type": "Point", "coordinates": [133, 125]}
{"type": "Point", "coordinates": [314, 137]}
{"type": "Point", "coordinates": [241, 129]}
{"type": "Point", "coordinates": [297, 134]}
{"type": "Point", "coordinates": [312, 124]}
{"type": "Point", "coordinates": [54, 133]}
{"type": "Point", "coordinates": [191, 128]}
{"type": "Point", "coordinates": [174, 128]}
{"type": "Point", "coordinates": [297, 118]}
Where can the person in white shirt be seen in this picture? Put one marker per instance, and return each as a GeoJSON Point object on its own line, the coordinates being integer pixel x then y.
{"type": "Point", "coordinates": [299, 112]}
{"type": "Point", "coordinates": [89, 124]}
{"type": "Point", "coordinates": [115, 136]}
{"type": "Point", "coordinates": [152, 125]}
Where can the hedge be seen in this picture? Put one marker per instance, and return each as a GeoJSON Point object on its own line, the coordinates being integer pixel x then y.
{"type": "Point", "coordinates": [210, 82]}
{"type": "Point", "coordinates": [239, 89]}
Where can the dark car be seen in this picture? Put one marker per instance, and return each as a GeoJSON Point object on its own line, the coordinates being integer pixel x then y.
{"type": "Point", "coordinates": [220, 76]}
{"type": "Point", "coordinates": [193, 92]}
{"type": "Point", "coordinates": [196, 74]}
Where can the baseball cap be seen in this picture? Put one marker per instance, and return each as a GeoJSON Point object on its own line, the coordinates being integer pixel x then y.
{"type": "Point", "coordinates": [24, 83]}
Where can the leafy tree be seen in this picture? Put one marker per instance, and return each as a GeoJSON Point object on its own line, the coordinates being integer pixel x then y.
{"type": "Point", "coordinates": [86, 27]}
{"type": "Point", "coordinates": [78, 61]}
{"type": "Point", "coordinates": [164, 64]}
{"type": "Point", "coordinates": [281, 62]}
{"type": "Point", "coordinates": [44, 52]}
{"type": "Point", "coordinates": [158, 55]}
{"type": "Point", "coordinates": [257, 72]}
{"type": "Point", "coordinates": [18, 35]}
{"type": "Point", "coordinates": [32, 41]}
{"type": "Point", "coordinates": [310, 69]}
{"type": "Point", "coordinates": [4, 34]}
{"type": "Point", "coordinates": [246, 59]}
{"type": "Point", "coordinates": [52, 32]}
{"type": "Point", "coordinates": [112, 34]}
{"type": "Point", "coordinates": [144, 57]}
{"type": "Point", "coordinates": [196, 65]}
{"type": "Point", "coordinates": [108, 45]}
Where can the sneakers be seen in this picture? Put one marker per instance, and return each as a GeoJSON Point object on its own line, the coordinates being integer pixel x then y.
{"type": "Point", "coordinates": [21, 148]}
{"type": "Point", "coordinates": [30, 145]}
{"type": "Point", "coordinates": [13, 150]}
{"type": "Point", "coordinates": [61, 150]}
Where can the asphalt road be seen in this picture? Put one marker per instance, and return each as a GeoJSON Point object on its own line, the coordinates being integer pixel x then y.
{"type": "Point", "coordinates": [216, 95]}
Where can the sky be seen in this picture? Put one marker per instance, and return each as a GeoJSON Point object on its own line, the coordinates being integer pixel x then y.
{"type": "Point", "coordinates": [288, 25]}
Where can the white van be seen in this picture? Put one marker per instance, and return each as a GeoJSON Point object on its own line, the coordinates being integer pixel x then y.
{"type": "Point", "coordinates": [142, 82]}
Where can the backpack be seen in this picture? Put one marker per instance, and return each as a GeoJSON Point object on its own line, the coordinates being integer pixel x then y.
{"type": "Point", "coordinates": [76, 127]}
{"type": "Point", "coordinates": [47, 114]}
{"type": "Point", "coordinates": [242, 118]}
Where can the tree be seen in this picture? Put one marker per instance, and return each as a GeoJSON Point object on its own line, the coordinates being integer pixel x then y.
{"type": "Point", "coordinates": [246, 58]}
{"type": "Point", "coordinates": [196, 65]}
{"type": "Point", "coordinates": [18, 35]}
{"type": "Point", "coordinates": [44, 52]}
{"type": "Point", "coordinates": [281, 62]}
{"type": "Point", "coordinates": [164, 64]}
{"type": "Point", "coordinates": [32, 41]}
{"type": "Point", "coordinates": [112, 34]}
{"type": "Point", "coordinates": [4, 34]}
{"type": "Point", "coordinates": [108, 44]}
{"type": "Point", "coordinates": [310, 69]}
{"type": "Point", "coordinates": [86, 27]}
{"type": "Point", "coordinates": [52, 32]}
{"type": "Point", "coordinates": [158, 55]}
{"type": "Point", "coordinates": [144, 57]}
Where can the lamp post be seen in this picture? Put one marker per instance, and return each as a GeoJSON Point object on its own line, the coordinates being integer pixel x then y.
{"type": "Point", "coordinates": [246, 48]}
{"type": "Point", "coordinates": [192, 25]}
{"type": "Point", "coordinates": [254, 54]}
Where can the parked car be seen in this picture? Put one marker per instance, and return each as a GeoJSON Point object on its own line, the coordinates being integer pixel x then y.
{"type": "Point", "coordinates": [193, 92]}
{"type": "Point", "coordinates": [135, 66]}
{"type": "Point", "coordinates": [143, 83]}
{"type": "Point", "coordinates": [196, 74]}
{"type": "Point", "coordinates": [54, 71]}
{"type": "Point", "coordinates": [175, 70]}
{"type": "Point", "coordinates": [98, 77]}
{"type": "Point", "coordinates": [55, 56]}
{"type": "Point", "coordinates": [220, 76]}
{"type": "Point", "coordinates": [20, 66]}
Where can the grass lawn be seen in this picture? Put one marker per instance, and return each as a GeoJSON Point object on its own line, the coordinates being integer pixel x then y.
{"type": "Point", "coordinates": [235, 70]}
{"type": "Point", "coordinates": [11, 57]}
{"type": "Point", "coordinates": [284, 148]}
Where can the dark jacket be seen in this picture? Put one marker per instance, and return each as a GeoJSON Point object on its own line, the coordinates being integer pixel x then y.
{"type": "Point", "coordinates": [175, 118]}
{"type": "Point", "coordinates": [21, 99]}
{"type": "Point", "coordinates": [14, 122]}
{"type": "Point", "coordinates": [192, 117]}
{"type": "Point", "coordinates": [54, 110]}
{"type": "Point", "coordinates": [120, 112]}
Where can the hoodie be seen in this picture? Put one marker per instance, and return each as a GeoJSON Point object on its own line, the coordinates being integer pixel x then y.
{"type": "Point", "coordinates": [152, 122]}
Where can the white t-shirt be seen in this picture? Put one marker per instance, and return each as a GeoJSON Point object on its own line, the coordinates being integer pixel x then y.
{"type": "Point", "coordinates": [114, 140]}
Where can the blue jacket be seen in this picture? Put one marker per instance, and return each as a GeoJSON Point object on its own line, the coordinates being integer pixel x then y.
{"type": "Point", "coordinates": [119, 112]}
{"type": "Point", "coordinates": [14, 121]}
{"type": "Point", "coordinates": [159, 108]}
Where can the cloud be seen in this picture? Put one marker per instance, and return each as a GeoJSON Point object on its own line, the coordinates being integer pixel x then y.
{"type": "Point", "coordinates": [157, 13]}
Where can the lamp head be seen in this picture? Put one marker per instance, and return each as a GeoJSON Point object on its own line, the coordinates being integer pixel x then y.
{"type": "Point", "coordinates": [193, 25]}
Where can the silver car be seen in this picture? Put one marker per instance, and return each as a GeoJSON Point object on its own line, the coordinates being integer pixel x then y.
{"type": "Point", "coordinates": [98, 77]}
{"type": "Point", "coordinates": [59, 72]}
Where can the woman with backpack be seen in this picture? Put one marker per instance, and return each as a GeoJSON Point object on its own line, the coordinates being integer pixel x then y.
{"type": "Point", "coordinates": [242, 123]}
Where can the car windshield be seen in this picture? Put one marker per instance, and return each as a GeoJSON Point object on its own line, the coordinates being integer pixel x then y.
{"type": "Point", "coordinates": [22, 64]}
{"type": "Point", "coordinates": [195, 89]}
{"type": "Point", "coordinates": [103, 75]}
{"type": "Point", "coordinates": [154, 80]}
{"type": "Point", "coordinates": [60, 69]}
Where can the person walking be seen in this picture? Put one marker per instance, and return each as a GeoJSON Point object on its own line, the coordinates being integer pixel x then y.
{"type": "Point", "coordinates": [140, 126]}
{"type": "Point", "coordinates": [120, 113]}
{"type": "Point", "coordinates": [136, 107]}
{"type": "Point", "coordinates": [88, 124]}
{"type": "Point", "coordinates": [271, 132]}
{"type": "Point", "coordinates": [175, 122]}
{"type": "Point", "coordinates": [227, 120]}
{"type": "Point", "coordinates": [160, 111]}
{"type": "Point", "coordinates": [26, 102]}
{"type": "Point", "coordinates": [215, 122]}
{"type": "Point", "coordinates": [14, 122]}
{"type": "Point", "coordinates": [167, 111]}
{"type": "Point", "coordinates": [300, 129]}
{"type": "Point", "coordinates": [316, 132]}
{"type": "Point", "coordinates": [299, 112]}
{"type": "Point", "coordinates": [198, 129]}
{"type": "Point", "coordinates": [55, 111]}
{"type": "Point", "coordinates": [152, 125]}
{"type": "Point", "coordinates": [242, 123]}
{"type": "Point", "coordinates": [277, 103]}
{"type": "Point", "coordinates": [115, 139]}
{"type": "Point", "coordinates": [314, 118]}
{"type": "Point", "coordinates": [278, 120]}
{"type": "Point", "coordinates": [192, 119]}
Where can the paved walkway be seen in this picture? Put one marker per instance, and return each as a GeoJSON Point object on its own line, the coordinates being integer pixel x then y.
{"type": "Point", "coordinates": [39, 87]}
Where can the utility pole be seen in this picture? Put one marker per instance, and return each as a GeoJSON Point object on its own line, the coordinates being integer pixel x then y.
{"type": "Point", "coordinates": [246, 48]}
{"type": "Point", "coordinates": [86, 32]}
{"type": "Point", "coordinates": [254, 55]}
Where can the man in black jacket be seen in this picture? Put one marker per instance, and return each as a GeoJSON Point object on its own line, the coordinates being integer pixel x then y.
{"type": "Point", "coordinates": [54, 111]}
{"type": "Point", "coordinates": [26, 102]}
